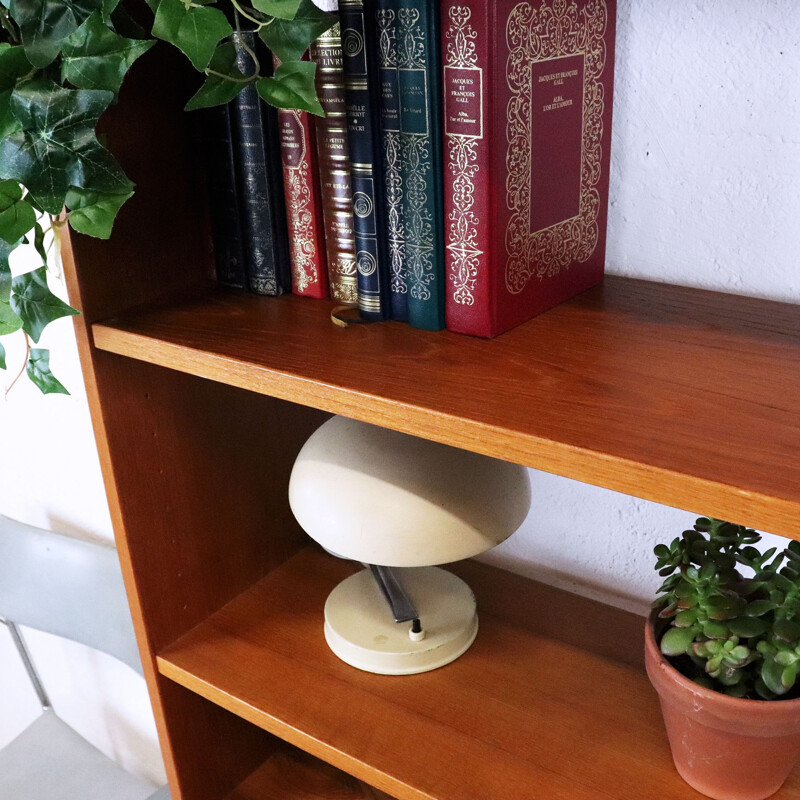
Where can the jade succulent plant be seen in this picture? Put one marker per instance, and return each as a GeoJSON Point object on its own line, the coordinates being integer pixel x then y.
{"type": "Point", "coordinates": [731, 613]}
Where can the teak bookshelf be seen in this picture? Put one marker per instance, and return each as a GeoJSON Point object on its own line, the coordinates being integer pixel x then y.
{"type": "Point", "coordinates": [202, 398]}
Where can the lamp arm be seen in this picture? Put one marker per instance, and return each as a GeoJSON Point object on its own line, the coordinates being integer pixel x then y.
{"type": "Point", "coordinates": [396, 596]}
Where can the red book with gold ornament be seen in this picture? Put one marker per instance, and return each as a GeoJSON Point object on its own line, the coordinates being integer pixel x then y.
{"type": "Point", "coordinates": [303, 204]}
{"type": "Point", "coordinates": [527, 120]}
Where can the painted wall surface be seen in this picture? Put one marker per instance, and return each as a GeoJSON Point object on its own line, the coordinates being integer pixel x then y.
{"type": "Point", "coordinates": [704, 192]}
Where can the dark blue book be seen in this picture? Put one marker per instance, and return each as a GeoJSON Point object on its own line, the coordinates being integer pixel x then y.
{"type": "Point", "coordinates": [223, 200]}
{"type": "Point", "coordinates": [386, 27]}
{"type": "Point", "coordinates": [361, 83]}
{"type": "Point", "coordinates": [259, 179]}
{"type": "Point", "coordinates": [421, 160]}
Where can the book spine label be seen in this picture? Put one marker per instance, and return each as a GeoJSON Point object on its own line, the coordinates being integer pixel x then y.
{"type": "Point", "coordinates": [365, 170]}
{"type": "Point", "coordinates": [386, 25]}
{"type": "Point", "coordinates": [260, 183]}
{"type": "Point", "coordinates": [465, 55]}
{"type": "Point", "coordinates": [419, 77]}
{"type": "Point", "coordinates": [334, 167]}
{"type": "Point", "coordinates": [303, 203]}
{"type": "Point", "coordinates": [223, 203]}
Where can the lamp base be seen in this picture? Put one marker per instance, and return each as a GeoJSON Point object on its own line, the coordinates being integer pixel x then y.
{"type": "Point", "coordinates": [360, 630]}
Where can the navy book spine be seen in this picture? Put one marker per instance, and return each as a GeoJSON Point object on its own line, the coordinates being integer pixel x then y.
{"type": "Point", "coordinates": [363, 127]}
{"type": "Point", "coordinates": [259, 175]}
{"type": "Point", "coordinates": [223, 202]}
{"type": "Point", "coordinates": [420, 81]}
{"type": "Point", "coordinates": [386, 26]}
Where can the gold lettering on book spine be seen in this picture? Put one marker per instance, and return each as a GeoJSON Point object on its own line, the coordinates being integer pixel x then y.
{"type": "Point", "coordinates": [553, 29]}
{"type": "Point", "coordinates": [465, 256]}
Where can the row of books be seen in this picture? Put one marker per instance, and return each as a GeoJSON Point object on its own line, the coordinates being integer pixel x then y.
{"type": "Point", "coordinates": [459, 178]}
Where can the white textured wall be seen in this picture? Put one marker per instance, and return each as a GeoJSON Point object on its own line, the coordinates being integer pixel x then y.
{"type": "Point", "coordinates": [704, 192]}
{"type": "Point", "coordinates": [50, 477]}
{"type": "Point", "coordinates": [705, 171]}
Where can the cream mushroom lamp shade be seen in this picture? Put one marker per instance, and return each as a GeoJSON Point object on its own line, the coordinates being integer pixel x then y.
{"type": "Point", "coordinates": [401, 505]}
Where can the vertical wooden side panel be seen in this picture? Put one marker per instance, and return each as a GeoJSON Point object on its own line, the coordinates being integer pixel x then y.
{"type": "Point", "coordinates": [199, 475]}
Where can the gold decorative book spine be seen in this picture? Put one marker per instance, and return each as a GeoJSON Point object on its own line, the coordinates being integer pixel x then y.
{"type": "Point", "coordinates": [467, 152]}
{"type": "Point", "coordinates": [334, 167]}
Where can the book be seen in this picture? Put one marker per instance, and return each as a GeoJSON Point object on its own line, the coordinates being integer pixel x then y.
{"type": "Point", "coordinates": [333, 164]}
{"type": "Point", "coordinates": [359, 44]}
{"type": "Point", "coordinates": [386, 26]}
{"type": "Point", "coordinates": [259, 180]}
{"type": "Point", "coordinates": [303, 203]}
{"type": "Point", "coordinates": [527, 122]}
{"type": "Point", "coordinates": [216, 140]}
{"type": "Point", "coordinates": [421, 160]}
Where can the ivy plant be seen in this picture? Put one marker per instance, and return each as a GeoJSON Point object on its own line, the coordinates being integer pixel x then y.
{"type": "Point", "coordinates": [62, 63]}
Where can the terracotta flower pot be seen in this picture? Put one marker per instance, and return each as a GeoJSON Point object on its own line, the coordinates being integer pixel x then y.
{"type": "Point", "coordinates": [725, 747]}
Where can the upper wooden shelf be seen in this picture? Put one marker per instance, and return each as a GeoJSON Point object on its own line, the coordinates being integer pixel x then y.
{"type": "Point", "coordinates": [685, 397]}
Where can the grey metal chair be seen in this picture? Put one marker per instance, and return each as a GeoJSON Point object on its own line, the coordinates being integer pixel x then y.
{"type": "Point", "coordinates": [71, 588]}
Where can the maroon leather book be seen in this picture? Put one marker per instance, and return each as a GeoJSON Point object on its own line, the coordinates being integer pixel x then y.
{"type": "Point", "coordinates": [303, 203]}
{"type": "Point", "coordinates": [527, 120]}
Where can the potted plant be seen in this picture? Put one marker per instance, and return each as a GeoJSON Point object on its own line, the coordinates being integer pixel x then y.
{"type": "Point", "coordinates": [61, 65]}
{"type": "Point", "coordinates": [722, 649]}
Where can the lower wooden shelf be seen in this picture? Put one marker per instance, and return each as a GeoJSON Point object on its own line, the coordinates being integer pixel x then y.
{"type": "Point", "coordinates": [291, 774]}
{"type": "Point", "coordinates": [522, 715]}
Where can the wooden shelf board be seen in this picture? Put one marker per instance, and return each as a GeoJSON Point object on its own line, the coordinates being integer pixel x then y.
{"type": "Point", "coordinates": [676, 395]}
{"type": "Point", "coordinates": [291, 774]}
{"type": "Point", "coordinates": [520, 715]}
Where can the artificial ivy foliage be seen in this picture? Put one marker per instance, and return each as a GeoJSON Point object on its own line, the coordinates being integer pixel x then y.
{"type": "Point", "coordinates": [62, 63]}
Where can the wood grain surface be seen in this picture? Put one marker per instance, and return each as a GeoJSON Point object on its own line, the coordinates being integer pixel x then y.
{"type": "Point", "coordinates": [519, 716]}
{"type": "Point", "coordinates": [291, 774]}
{"type": "Point", "coordinates": [676, 395]}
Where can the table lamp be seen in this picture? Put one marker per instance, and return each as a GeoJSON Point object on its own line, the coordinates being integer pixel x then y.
{"type": "Point", "coordinates": [401, 505]}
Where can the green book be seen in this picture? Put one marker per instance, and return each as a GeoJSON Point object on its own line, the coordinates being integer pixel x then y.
{"type": "Point", "coordinates": [421, 162]}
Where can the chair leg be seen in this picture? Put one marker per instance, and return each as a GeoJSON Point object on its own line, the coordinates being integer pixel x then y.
{"type": "Point", "coordinates": [36, 681]}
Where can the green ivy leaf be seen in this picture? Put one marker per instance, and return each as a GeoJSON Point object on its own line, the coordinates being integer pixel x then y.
{"type": "Point", "coordinates": [109, 7]}
{"type": "Point", "coordinates": [16, 216]}
{"type": "Point", "coordinates": [38, 369]}
{"type": "Point", "coordinates": [94, 57]}
{"type": "Point", "coordinates": [57, 147]}
{"type": "Point", "coordinates": [13, 66]}
{"type": "Point", "coordinates": [2, 356]}
{"type": "Point", "coordinates": [289, 38]}
{"type": "Point", "coordinates": [93, 213]}
{"type": "Point", "coordinates": [292, 86]}
{"type": "Point", "coordinates": [125, 25]}
{"type": "Point", "coordinates": [38, 242]}
{"type": "Point", "coordinates": [218, 90]}
{"type": "Point", "coordinates": [33, 301]}
{"type": "Point", "coordinates": [283, 9]}
{"type": "Point", "coordinates": [9, 321]}
{"type": "Point", "coordinates": [45, 24]}
{"type": "Point", "coordinates": [194, 30]}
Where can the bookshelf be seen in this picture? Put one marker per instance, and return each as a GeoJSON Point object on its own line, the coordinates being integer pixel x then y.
{"type": "Point", "coordinates": [201, 399]}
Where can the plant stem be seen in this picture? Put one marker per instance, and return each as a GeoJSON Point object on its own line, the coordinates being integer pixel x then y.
{"type": "Point", "coordinates": [230, 77]}
{"type": "Point", "coordinates": [24, 364]}
{"type": "Point", "coordinates": [258, 22]}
